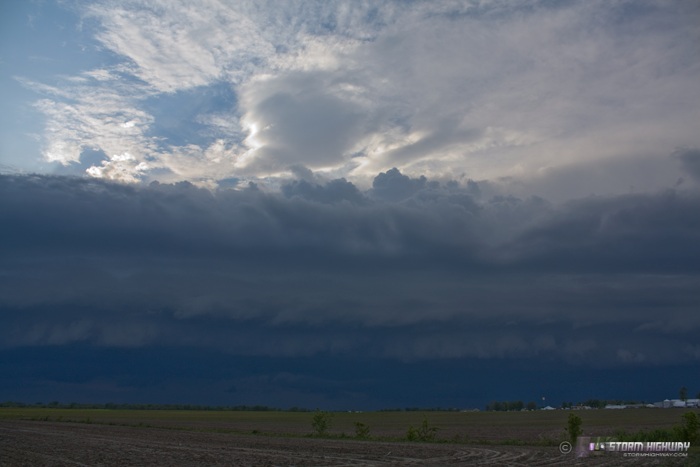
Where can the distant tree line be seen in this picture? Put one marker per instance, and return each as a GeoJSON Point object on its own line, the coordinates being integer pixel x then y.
{"type": "Point", "coordinates": [241, 408]}
{"type": "Point", "coordinates": [420, 409]}
{"type": "Point", "coordinates": [497, 406]}
{"type": "Point", "coordinates": [115, 406]}
{"type": "Point", "coordinates": [509, 406]}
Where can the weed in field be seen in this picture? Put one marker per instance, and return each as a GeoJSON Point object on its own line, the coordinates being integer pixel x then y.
{"type": "Point", "coordinates": [573, 427]}
{"type": "Point", "coordinates": [321, 422]}
{"type": "Point", "coordinates": [361, 430]}
{"type": "Point", "coordinates": [424, 432]}
{"type": "Point", "coordinates": [690, 427]}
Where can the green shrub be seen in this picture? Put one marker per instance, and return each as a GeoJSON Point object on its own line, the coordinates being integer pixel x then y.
{"type": "Point", "coordinates": [424, 432]}
{"type": "Point", "coordinates": [690, 427]}
{"type": "Point", "coordinates": [573, 427]}
{"type": "Point", "coordinates": [321, 422]}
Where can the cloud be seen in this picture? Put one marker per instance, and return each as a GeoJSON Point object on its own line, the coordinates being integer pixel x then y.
{"type": "Point", "coordinates": [327, 268]}
{"type": "Point", "coordinates": [333, 192]}
{"type": "Point", "coordinates": [690, 162]}
{"type": "Point", "coordinates": [299, 120]}
{"type": "Point", "coordinates": [86, 117]}
{"type": "Point", "coordinates": [394, 186]}
{"type": "Point", "coordinates": [177, 46]}
{"type": "Point", "coordinates": [487, 90]}
{"type": "Point", "coordinates": [353, 196]}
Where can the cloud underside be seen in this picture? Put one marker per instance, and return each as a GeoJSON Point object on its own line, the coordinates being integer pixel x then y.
{"type": "Point", "coordinates": [495, 90]}
{"type": "Point", "coordinates": [410, 269]}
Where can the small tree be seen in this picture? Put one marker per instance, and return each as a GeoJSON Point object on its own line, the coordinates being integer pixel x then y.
{"type": "Point", "coordinates": [573, 427]}
{"type": "Point", "coordinates": [683, 393]}
{"type": "Point", "coordinates": [321, 422]}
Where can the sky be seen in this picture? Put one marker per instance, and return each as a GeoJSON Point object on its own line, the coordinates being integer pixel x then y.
{"type": "Point", "coordinates": [349, 205]}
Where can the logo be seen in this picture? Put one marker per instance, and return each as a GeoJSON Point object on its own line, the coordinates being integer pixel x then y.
{"type": "Point", "coordinates": [586, 446]}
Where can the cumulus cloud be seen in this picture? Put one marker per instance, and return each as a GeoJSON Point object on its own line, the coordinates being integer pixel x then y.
{"type": "Point", "coordinates": [299, 120]}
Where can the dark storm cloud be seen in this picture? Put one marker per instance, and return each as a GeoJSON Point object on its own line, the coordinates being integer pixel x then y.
{"type": "Point", "coordinates": [395, 186]}
{"type": "Point", "coordinates": [644, 232]}
{"type": "Point", "coordinates": [410, 269]}
{"type": "Point", "coordinates": [333, 192]}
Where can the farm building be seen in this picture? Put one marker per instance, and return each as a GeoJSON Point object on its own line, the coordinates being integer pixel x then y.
{"type": "Point", "coordinates": [677, 403]}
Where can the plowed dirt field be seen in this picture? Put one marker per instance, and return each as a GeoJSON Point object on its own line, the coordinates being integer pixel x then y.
{"type": "Point", "coordinates": [45, 443]}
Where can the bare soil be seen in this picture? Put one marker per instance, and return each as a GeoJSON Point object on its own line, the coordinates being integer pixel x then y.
{"type": "Point", "coordinates": [45, 443]}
